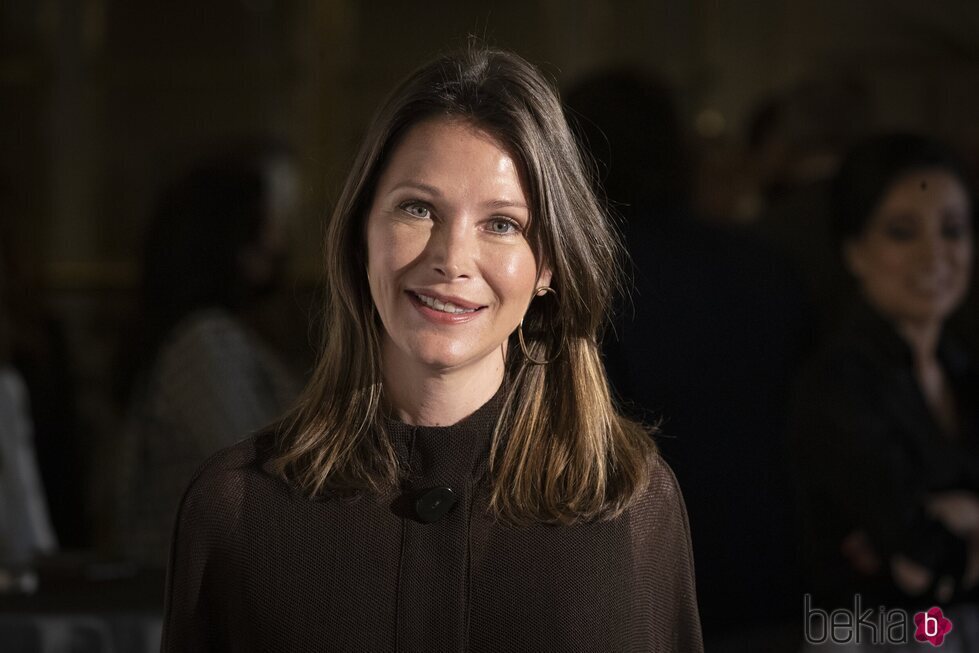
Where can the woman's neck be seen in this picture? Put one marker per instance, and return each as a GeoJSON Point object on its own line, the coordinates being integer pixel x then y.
{"type": "Point", "coordinates": [423, 396]}
{"type": "Point", "coordinates": [922, 337]}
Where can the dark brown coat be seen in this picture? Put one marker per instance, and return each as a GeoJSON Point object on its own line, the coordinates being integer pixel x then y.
{"type": "Point", "coordinates": [256, 567]}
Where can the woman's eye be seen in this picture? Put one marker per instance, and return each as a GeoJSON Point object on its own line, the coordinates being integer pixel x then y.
{"type": "Point", "coordinates": [504, 226]}
{"type": "Point", "coordinates": [899, 232]}
{"type": "Point", "coordinates": [415, 209]}
{"type": "Point", "coordinates": [955, 228]}
{"type": "Point", "coordinates": [953, 231]}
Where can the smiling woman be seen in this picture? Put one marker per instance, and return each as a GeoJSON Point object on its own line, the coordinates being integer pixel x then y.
{"type": "Point", "coordinates": [456, 475]}
{"type": "Point", "coordinates": [886, 426]}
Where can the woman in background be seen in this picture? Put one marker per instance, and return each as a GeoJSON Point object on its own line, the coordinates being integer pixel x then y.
{"type": "Point", "coordinates": [456, 476]}
{"type": "Point", "coordinates": [886, 426]}
{"type": "Point", "coordinates": [202, 378]}
{"type": "Point", "coordinates": [25, 527]}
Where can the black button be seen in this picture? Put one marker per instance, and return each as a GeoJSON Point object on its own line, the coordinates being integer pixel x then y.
{"type": "Point", "coordinates": [433, 504]}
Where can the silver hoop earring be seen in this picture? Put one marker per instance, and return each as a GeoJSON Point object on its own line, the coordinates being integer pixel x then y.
{"type": "Point", "coordinates": [523, 345]}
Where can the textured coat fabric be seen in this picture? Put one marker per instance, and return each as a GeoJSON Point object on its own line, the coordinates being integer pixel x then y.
{"type": "Point", "coordinates": [255, 566]}
{"type": "Point", "coordinates": [870, 452]}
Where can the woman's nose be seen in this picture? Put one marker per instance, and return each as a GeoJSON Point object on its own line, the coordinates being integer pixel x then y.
{"type": "Point", "coordinates": [452, 248]}
{"type": "Point", "coordinates": [931, 249]}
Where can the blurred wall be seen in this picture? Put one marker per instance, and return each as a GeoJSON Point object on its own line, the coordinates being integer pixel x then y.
{"type": "Point", "coordinates": [104, 100]}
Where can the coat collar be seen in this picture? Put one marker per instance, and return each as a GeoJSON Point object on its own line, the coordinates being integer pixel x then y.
{"type": "Point", "coordinates": [446, 455]}
{"type": "Point", "coordinates": [455, 456]}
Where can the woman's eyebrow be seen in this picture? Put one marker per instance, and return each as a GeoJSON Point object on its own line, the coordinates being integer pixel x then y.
{"type": "Point", "coordinates": [501, 203]}
{"type": "Point", "coordinates": [504, 204]}
{"type": "Point", "coordinates": [417, 185]}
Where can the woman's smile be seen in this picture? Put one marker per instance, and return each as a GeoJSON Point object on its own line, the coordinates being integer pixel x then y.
{"type": "Point", "coordinates": [439, 312]}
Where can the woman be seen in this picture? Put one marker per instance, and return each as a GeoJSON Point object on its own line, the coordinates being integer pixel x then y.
{"type": "Point", "coordinates": [201, 378]}
{"type": "Point", "coordinates": [886, 424]}
{"type": "Point", "coordinates": [455, 476]}
{"type": "Point", "coordinates": [25, 527]}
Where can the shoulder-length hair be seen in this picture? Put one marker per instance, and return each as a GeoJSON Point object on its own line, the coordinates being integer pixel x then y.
{"type": "Point", "coordinates": [569, 455]}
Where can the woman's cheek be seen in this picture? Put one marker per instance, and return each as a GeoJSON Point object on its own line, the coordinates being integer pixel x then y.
{"type": "Point", "coordinates": [405, 244]}
{"type": "Point", "coordinates": [516, 275]}
{"type": "Point", "coordinates": [965, 255]}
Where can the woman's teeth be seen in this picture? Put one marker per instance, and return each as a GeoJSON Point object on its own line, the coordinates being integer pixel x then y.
{"type": "Point", "coordinates": [445, 307]}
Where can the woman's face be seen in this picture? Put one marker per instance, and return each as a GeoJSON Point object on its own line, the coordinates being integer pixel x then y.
{"type": "Point", "coordinates": [448, 261]}
{"type": "Point", "coordinates": [914, 259]}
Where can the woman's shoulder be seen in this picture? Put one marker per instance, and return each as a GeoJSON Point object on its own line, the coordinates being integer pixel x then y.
{"type": "Point", "coordinates": [660, 506]}
{"type": "Point", "coordinates": [222, 485]}
{"type": "Point", "coordinates": [209, 322]}
{"type": "Point", "coordinates": [206, 334]}
{"type": "Point", "coordinates": [662, 480]}
{"type": "Point", "coordinates": [863, 347]}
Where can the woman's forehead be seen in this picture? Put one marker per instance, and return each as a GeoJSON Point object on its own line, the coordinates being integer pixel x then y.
{"type": "Point", "coordinates": [445, 156]}
{"type": "Point", "coordinates": [923, 189]}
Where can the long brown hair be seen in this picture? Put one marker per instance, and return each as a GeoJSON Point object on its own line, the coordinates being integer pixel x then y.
{"type": "Point", "coordinates": [570, 455]}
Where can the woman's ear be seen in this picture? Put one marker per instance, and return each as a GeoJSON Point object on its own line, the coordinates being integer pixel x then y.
{"type": "Point", "coordinates": [544, 278]}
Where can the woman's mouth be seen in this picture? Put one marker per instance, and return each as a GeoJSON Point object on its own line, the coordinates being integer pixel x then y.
{"type": "Point", "coordinates": [440, 312]}
{"type": "Point", "coordinates": [928, 284]}
{"type": "Point", "coordinates": [444, 307]}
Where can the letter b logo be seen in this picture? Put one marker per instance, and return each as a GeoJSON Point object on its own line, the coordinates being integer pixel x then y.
{"type": "Point", "coordinates": [931, 626]}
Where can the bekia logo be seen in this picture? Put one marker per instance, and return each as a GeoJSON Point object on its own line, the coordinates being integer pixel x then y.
{"type": "Point", "coordinates": [880, 626]}
{"type": "Point", "coordinates": [931, 626]}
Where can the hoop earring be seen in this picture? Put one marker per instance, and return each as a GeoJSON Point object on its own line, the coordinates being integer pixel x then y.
{"type": "Point", "coordinates": [523, 345]}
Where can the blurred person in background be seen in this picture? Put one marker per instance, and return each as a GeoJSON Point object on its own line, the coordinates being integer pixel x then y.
{"type": "Point", "coordinates": [201, 378]}
{"type": "Point", "coordinates": [707, 348]}
{"type": "Point", "coordinates": [795, 143]}
{"type": "Point", "coordinates": [885, 425]}
{"type": "Point", "coordinates": [25, 527]}
{"type": "Point", "coordinates": [37, 348]}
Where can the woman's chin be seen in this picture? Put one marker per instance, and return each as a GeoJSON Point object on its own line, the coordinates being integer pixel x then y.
{"type": "Point", "coordinates": [926, 312]}
{"type": "Point", "coordinates": [447, 359]}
